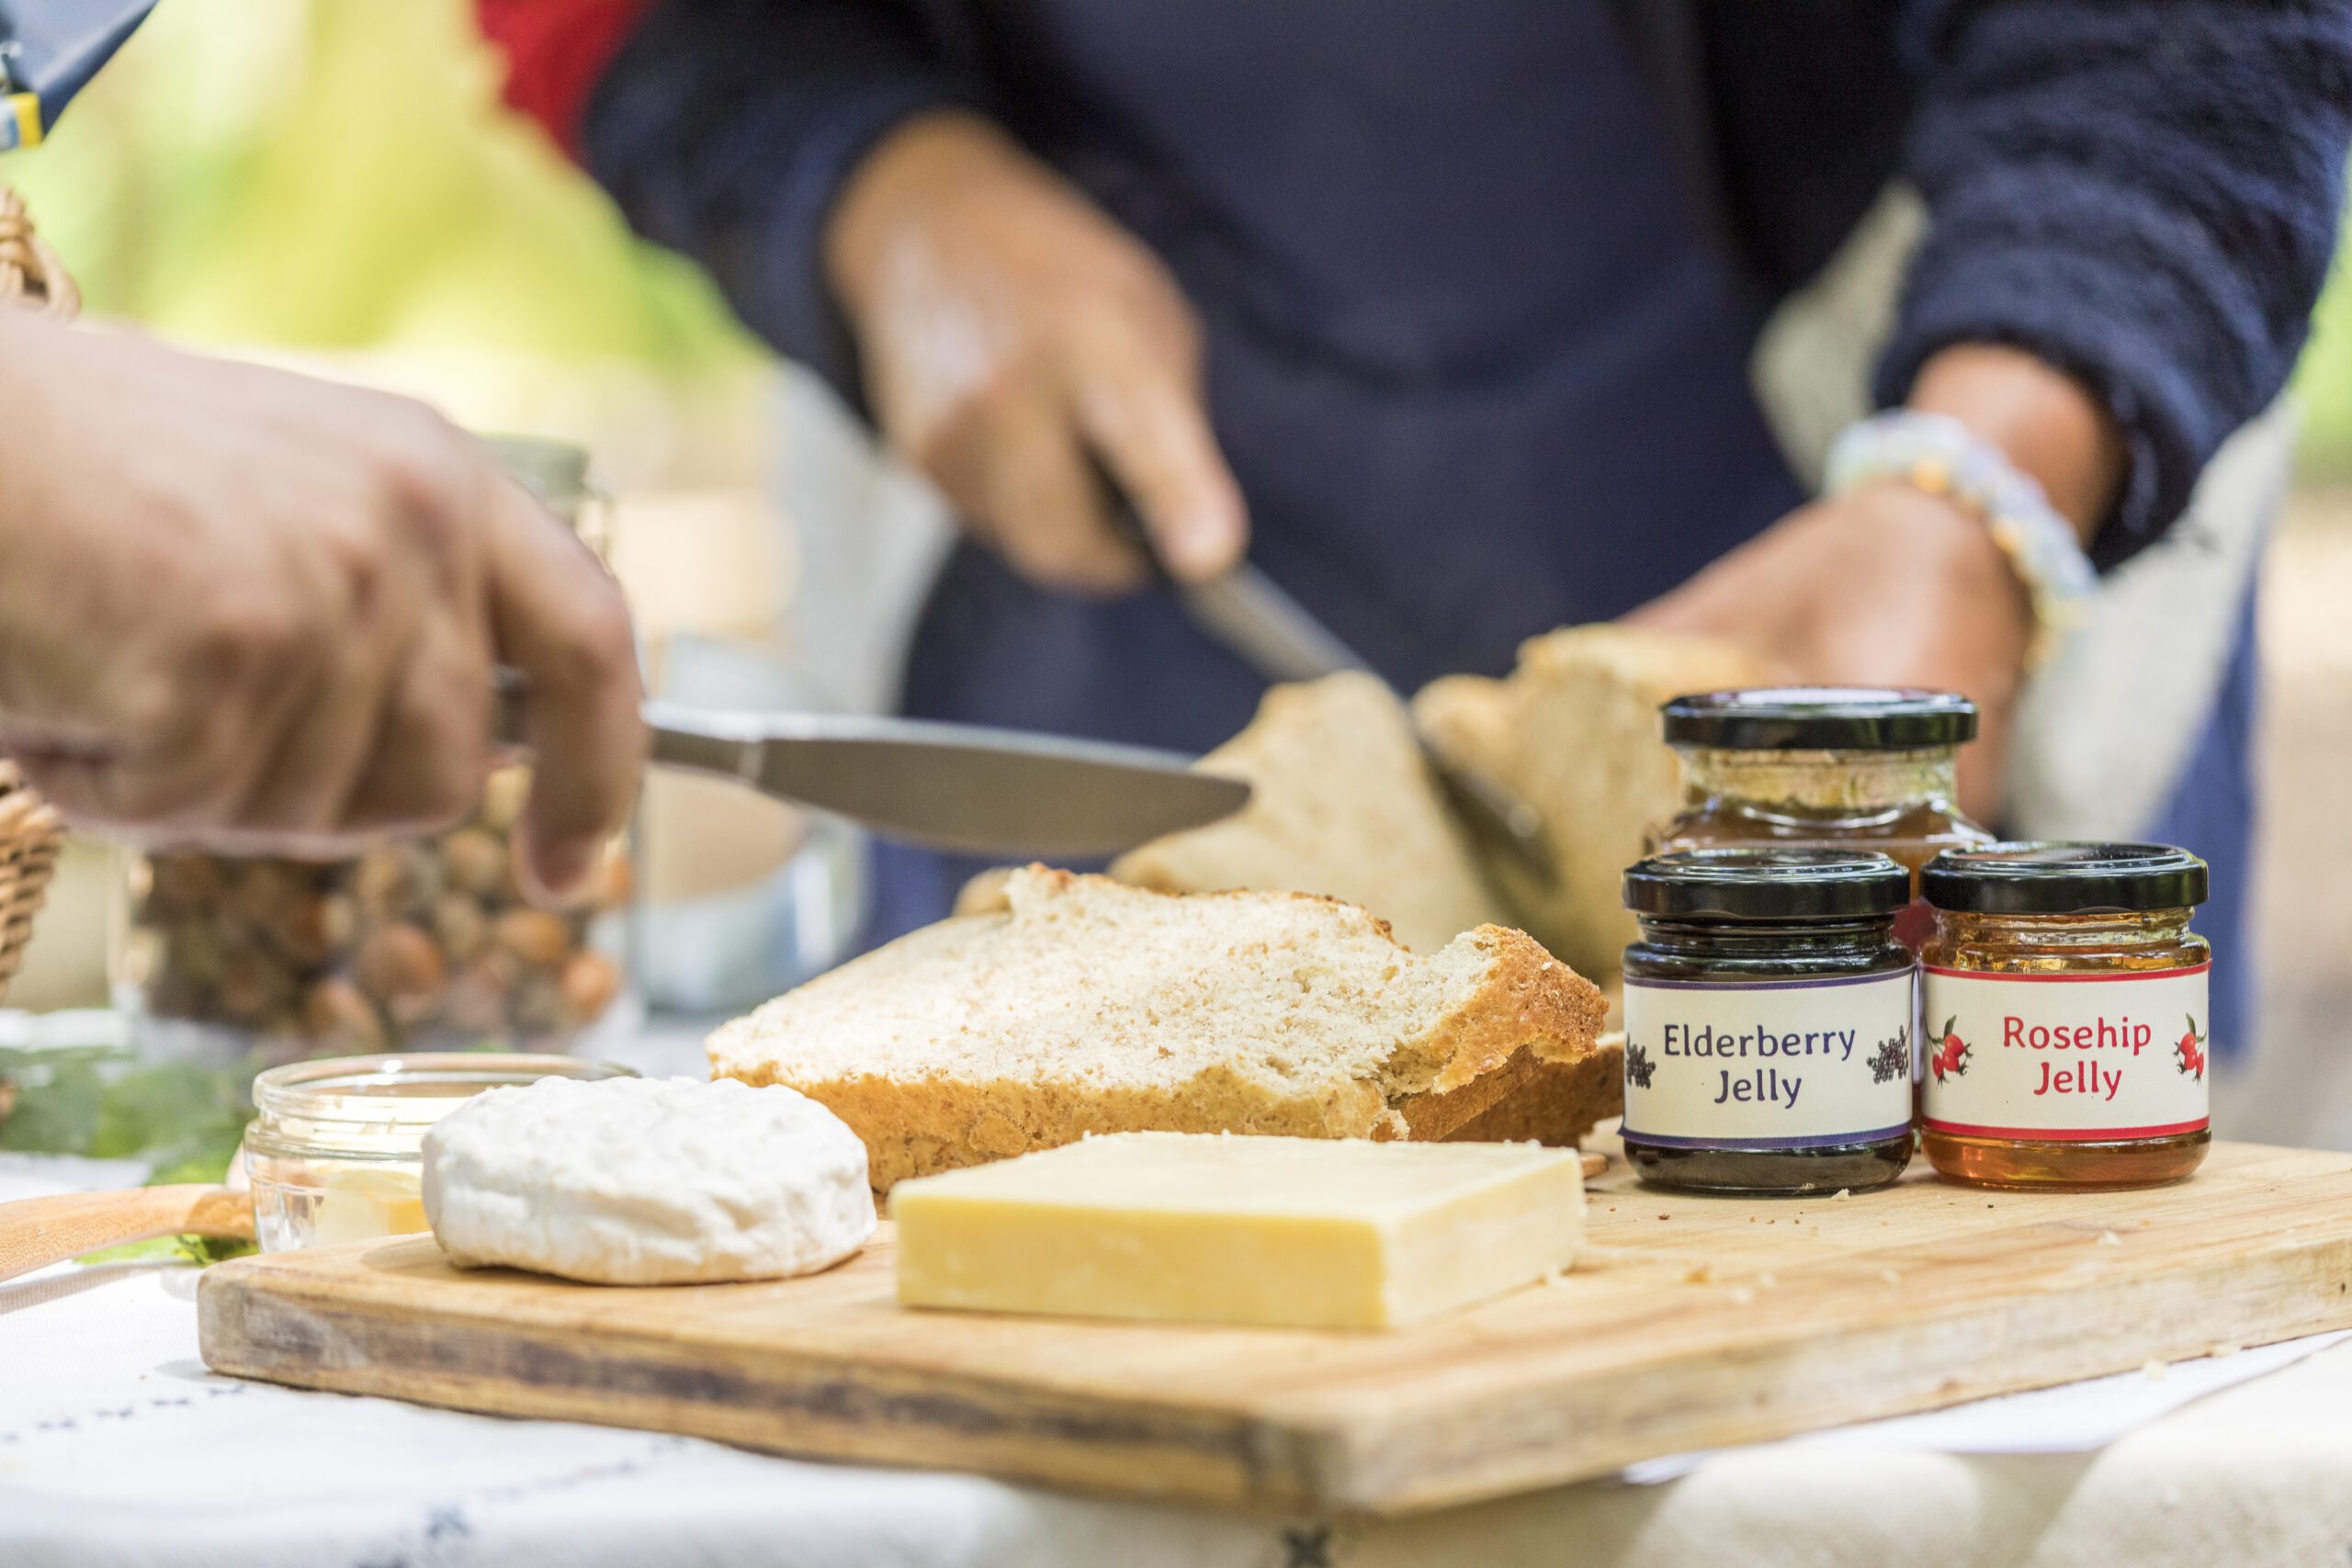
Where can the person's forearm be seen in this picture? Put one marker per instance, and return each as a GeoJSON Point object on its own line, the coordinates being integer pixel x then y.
{"type": "Point", "coordinates": [939, 148]}
{"type": "Point", "coordinates": [2142, 192]}
{"type": "Point", "coordinates": [2046, 423]}
{"type": "Point", "coordinates": [725, 128]}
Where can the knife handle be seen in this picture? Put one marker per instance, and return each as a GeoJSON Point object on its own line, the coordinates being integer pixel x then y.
{"type": "Point", "coordinates": [510, 690]}
{"type": "Point", "coordinates": [1127, 518]}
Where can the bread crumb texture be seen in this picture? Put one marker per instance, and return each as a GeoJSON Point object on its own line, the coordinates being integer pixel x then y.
{"type": "Point", "coordinates": [1573, 731]}
{"type": "Point", "coordinates": [1341, 803]}
{"type": "Point", "coordinates": [1085, 1006]}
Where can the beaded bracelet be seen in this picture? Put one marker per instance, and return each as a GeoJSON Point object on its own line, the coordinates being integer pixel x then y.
{"type": "Point", "coordinates": [1937, 453]}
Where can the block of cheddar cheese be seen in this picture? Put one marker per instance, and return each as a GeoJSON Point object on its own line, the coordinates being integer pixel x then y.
{"type": "Point", "coordinates": [1212, 1228]}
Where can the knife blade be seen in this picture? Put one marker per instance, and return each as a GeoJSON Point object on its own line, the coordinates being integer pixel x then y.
{"type": "Point", "coordinates": [950, 786]}
{"type": "Point", "coordinates": [1254, 618]}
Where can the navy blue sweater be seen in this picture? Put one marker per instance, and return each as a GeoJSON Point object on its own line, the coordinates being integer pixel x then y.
{"type": "Point", "coordinates": [2143, 192]}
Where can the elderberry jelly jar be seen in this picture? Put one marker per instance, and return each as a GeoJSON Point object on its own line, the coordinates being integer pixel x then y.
{"type": "Point", "coordinates": [1769, 1015]}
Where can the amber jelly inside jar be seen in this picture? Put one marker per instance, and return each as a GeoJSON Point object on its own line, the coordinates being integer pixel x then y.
{"type": "Point", "coordinates": [2048, 963]}
{"type": "Point", "coordinates": [1769, 1015]}
{"type": "Point", "coordinates": [334, 1152]}
{"type": "Point", "coordinates": [1844, 767]}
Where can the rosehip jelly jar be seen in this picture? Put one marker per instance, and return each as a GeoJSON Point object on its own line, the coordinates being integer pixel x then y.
{"type": "Point", "coordinates": [1768, 1020]}
{"type": "Point", "coordinates": [2066, 1024]}
{"type": "Point", "coordinates": [1853, 768]}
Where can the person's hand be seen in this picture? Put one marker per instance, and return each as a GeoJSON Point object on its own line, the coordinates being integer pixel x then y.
{"type": "Point", "coordinates": [1888, 585]}
{"type": "Point", "coordinates": [249, 612]}
{"type": "Point", "coordinates": [1011, 336]}
{"type": "Point", "coordinates": [1883, 586]}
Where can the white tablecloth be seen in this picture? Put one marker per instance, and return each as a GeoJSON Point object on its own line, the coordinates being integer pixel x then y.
{"type": "Point", "coordinates": [118, 1446]}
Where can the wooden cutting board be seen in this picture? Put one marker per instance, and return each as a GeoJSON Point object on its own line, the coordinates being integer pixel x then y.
{"type": "Point", "coordinates": [1694, 1323]}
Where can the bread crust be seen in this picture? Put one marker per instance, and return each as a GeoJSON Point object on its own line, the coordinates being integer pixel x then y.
{"type": "Point", "coordinates": [1554, 1103]}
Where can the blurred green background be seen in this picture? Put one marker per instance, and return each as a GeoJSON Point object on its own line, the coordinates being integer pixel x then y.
{"type": "Point", "coordinates": [334, 176]}
{"type": "Point", "coordinates": [337, 175]}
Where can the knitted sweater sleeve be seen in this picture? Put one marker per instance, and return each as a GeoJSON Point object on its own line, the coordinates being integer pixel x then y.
{"type": "Point", "coordinates": [2143, 193]}
{"type": "Point", "coordinates": [725, 128]}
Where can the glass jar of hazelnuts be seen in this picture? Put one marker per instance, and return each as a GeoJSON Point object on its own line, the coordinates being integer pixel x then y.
{"type": "Point", "coordinates": [416, 945]}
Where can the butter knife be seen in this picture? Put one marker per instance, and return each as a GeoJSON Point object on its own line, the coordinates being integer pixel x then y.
{"type": "Point", "coordinates": [949, 787]}
{"type": "Point", "coordinates": [1253, 616]}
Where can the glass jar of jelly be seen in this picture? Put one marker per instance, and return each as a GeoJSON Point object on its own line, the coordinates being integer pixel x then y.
{"type": "Point", "coordinates": [1855, 768]}
{"type": "Point", "coordinates": [1768, 1020]}
{"type": "Point", "coordinates": [2067, 1022]}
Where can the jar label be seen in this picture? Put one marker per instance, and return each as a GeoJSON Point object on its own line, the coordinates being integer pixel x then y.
{"type": "Point", "coordinates": [1791, 1064]}
{"type": "Point", "coordinates": [2066, 1056]}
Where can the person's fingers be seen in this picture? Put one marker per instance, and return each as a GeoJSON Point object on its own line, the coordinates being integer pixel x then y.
{"type": "Point", "coordinates": [559, 619]}
{"type": "Point", "coordinates": [324, 747]}
{"type": "Point", "coordinates": [1144, 416]}
{"type": "Point", "coordinates": [186, 768]}
{"type": "Point", "coordinates": [432, 748]}
{"type": "Point", "coordinates": [1045, 512]}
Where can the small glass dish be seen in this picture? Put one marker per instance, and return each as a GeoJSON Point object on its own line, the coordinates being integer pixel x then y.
{"type": "Point", "coordinates": [334, 1150]}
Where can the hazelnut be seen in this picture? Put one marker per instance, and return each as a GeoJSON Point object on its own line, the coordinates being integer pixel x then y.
{"type": "Point", "coordinates": [589, 983]}
{"type": "Point", "coordinates": [477, 1001]}
{"type": "Point", "coordinates": [257, 889]}
{"type": "Point", "coordinates": [502, 794]}
{"type": "Point", "coordinates": [254, 989]}
{"type": "Point", "coordinates": [536, 936]}
{"type": "Point", "coordinates": [184, 882]}
{"type": "Point", "coordinates": [314, 927]}
{"type": "Point", "coordinates": [401, 969]}
{"type": "Point", "coordinates": [380, 880]}
{"type": "Point", "coordinates": [475, 860]}
{"type": "Point", "coordinates": [192, 950]}
{"type": "Point", "coordinates": [460, 926]}
{"type": "Point", "coordinates": [336, 1013]}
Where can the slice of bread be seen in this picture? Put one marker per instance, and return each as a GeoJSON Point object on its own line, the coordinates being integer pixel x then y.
{"type": "Point", "coordinates": [1343, 805]}
{"type": "Point", "coordinates": [1085, 1006]}
{"type": "Point", "coordinates": [1552, 1103]}
{"type": "Point", "coordinates": [1574, 729]}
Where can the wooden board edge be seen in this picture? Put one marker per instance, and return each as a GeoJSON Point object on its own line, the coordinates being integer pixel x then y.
{"type": "Point", "coordinates": [1401, 1458]}
{"type": "Point", "coordinates": [809, 1409]}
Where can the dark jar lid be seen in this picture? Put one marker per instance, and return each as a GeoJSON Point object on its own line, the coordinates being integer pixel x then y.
{"type": "Point", "coordinates": [2065, 879]}
{"type": "Point", "coordinates": [1820, 718]}
{"type": "Point", "coordinates": [1757, 884]}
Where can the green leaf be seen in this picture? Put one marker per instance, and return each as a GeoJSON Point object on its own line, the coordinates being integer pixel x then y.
{"type": "Point", "coordinates": [56, 1111]}
{"type": "Point", "coordinates": [183, 1120]}
{"type": "Point", "coordinates": [201, 1250]}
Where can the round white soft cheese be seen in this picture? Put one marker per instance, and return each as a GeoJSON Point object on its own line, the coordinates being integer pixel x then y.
{"type": "Point", "coordinates": [643, 1181]}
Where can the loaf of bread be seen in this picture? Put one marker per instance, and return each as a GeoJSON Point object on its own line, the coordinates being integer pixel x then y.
{"type": "Point", "coordinates": [1086, 1005]}
{"type": "Point", "coordinates": [1343, 805]}
{"type": "Point", "coordinates": [1573, 731]}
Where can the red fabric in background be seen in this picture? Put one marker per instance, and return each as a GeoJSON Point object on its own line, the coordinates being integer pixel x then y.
{"type": "Point", "coordinates": [556, 50]}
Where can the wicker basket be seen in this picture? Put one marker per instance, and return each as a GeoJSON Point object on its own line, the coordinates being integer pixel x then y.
{"type": "Point", "coordinates": [29, 830]}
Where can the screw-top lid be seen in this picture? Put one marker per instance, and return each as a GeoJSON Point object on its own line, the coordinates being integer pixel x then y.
{"type": "Point", "coordinates": [1820, 718]}
{"type": "Point", "coordinates": [2065, 879]}
{"type": "Point", "coordinates": [1757, 884]}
